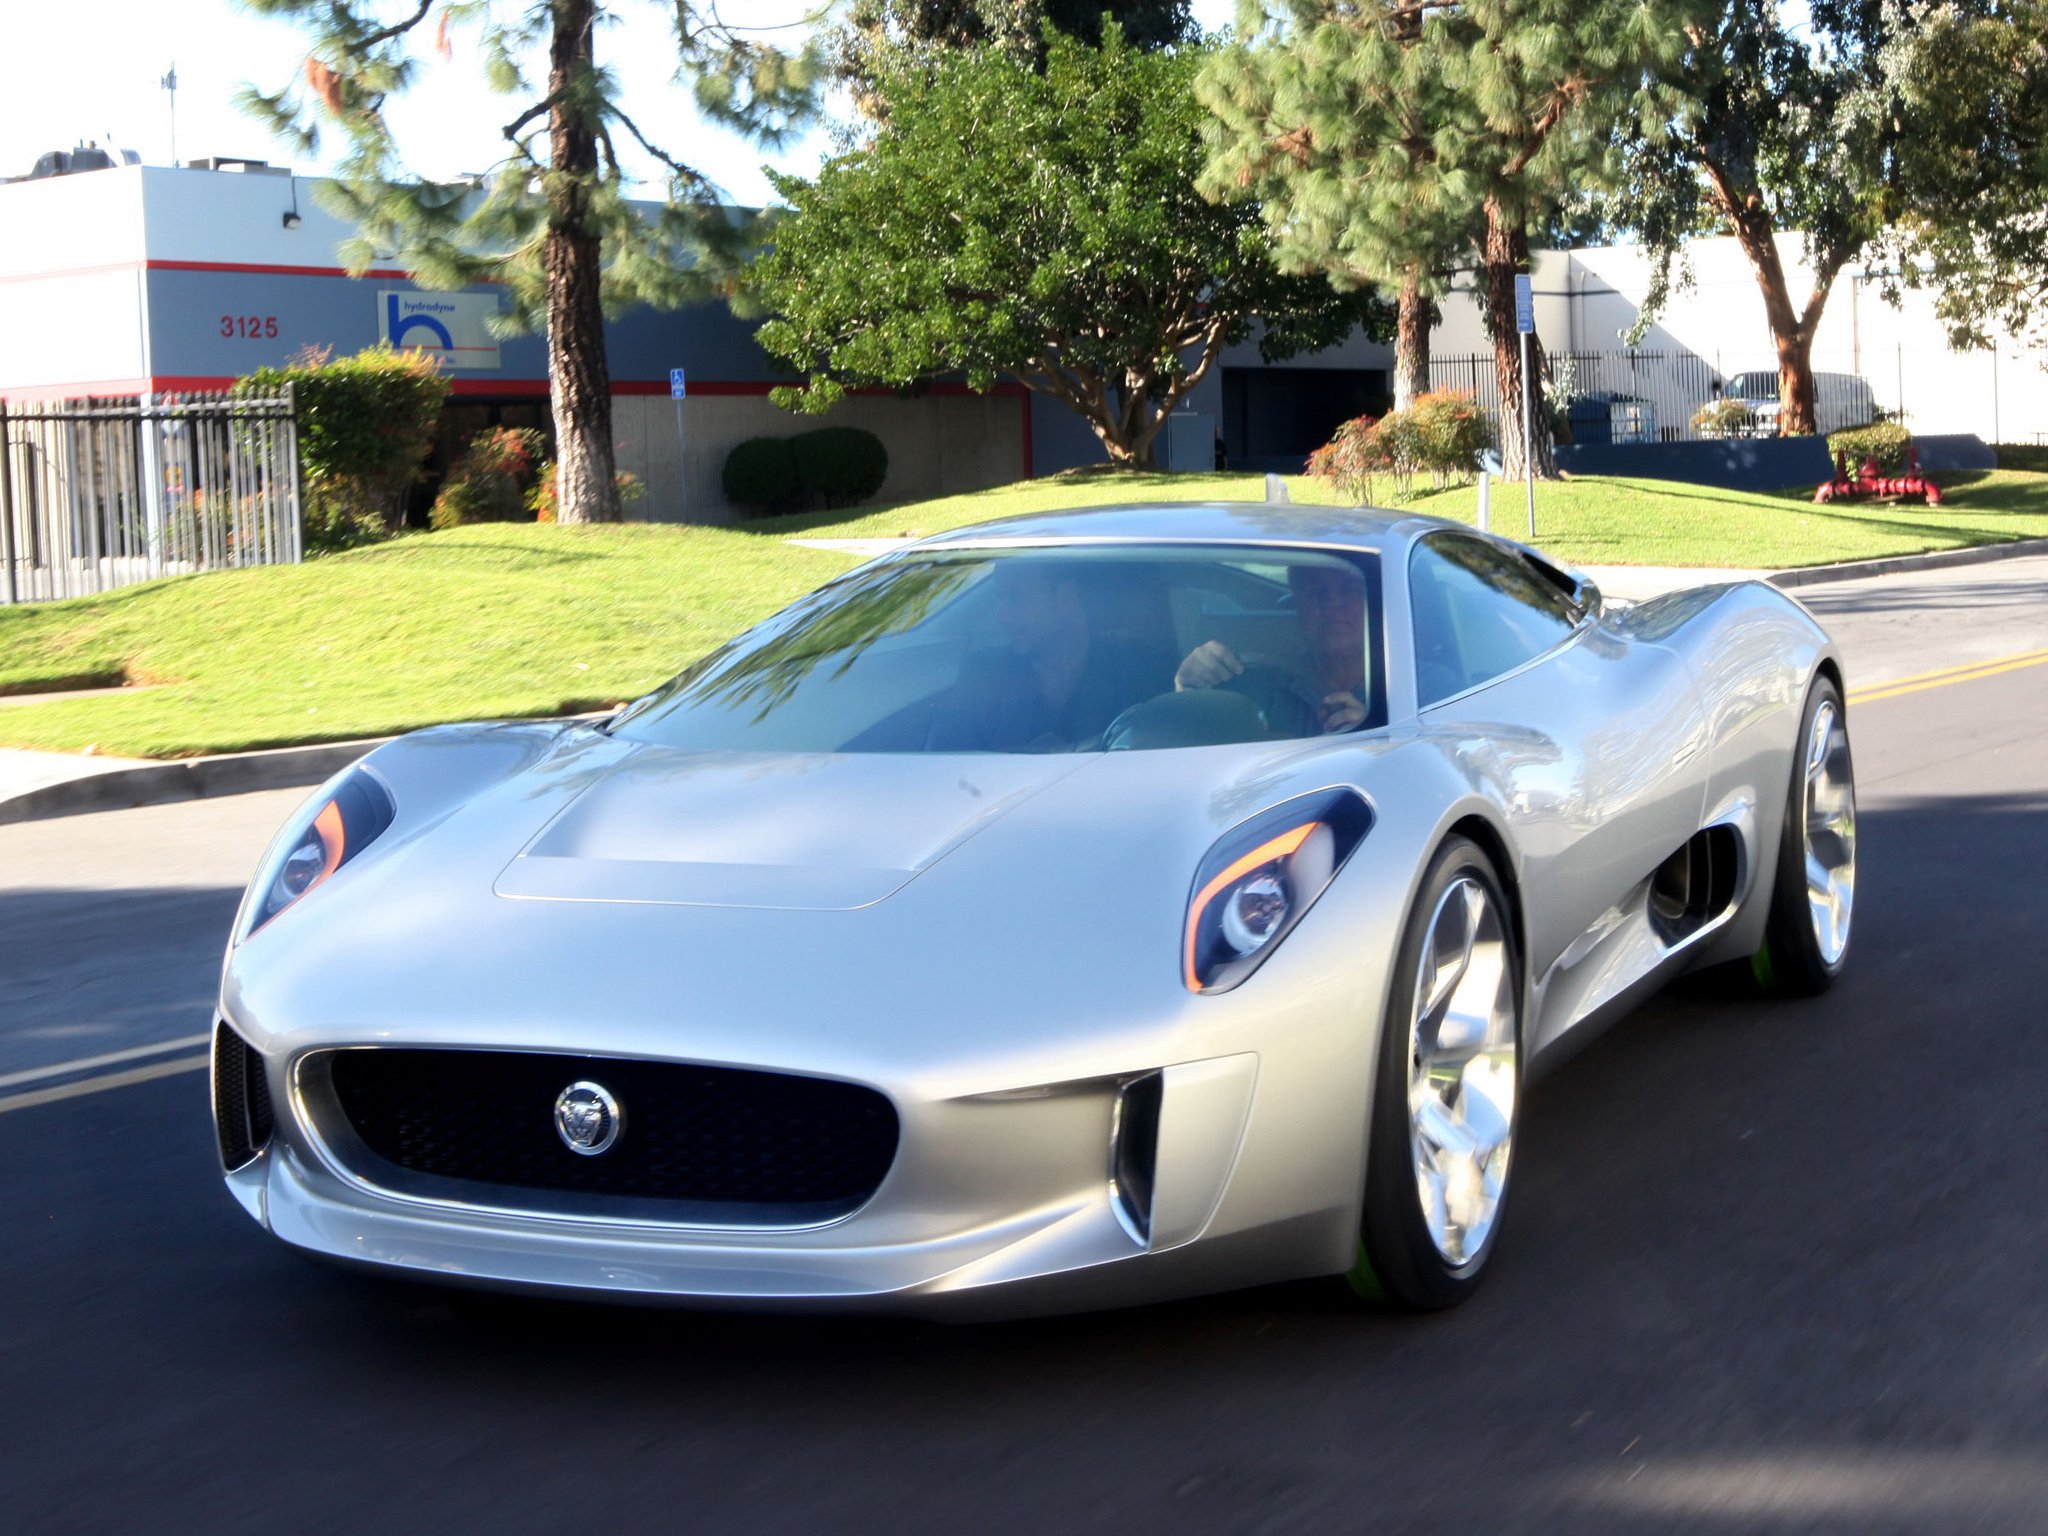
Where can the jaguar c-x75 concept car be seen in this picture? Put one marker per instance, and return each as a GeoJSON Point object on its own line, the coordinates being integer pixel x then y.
{"type": "Point", "coordinates": [1058, 913]}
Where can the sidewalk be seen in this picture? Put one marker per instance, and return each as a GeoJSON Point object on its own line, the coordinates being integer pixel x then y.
{"type": "Point", "coordinates": [34, 785]}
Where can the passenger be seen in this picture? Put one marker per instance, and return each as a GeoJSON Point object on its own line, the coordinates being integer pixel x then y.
{"type": "Point", "coordinates": [1329, 600]}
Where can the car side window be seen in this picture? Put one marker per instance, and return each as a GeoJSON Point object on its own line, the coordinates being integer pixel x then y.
{"type": "Point", "coordinates": [1479, 611]}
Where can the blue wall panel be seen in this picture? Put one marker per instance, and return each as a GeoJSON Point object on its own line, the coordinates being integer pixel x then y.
{"type": "Point", "coordinates": [1738, 464]}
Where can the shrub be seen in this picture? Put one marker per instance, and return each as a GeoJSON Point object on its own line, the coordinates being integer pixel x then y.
{"type": "Point", "coordinates": [1440, 435]}
{"type": "Point", "coordinates": [1884, 441]}
{"type": "Point", "coordinates": [489, 484]}
{"type": "Point", "coordinates": [839, 464]}
{"type": "Point", "coordinates": [1723, 418]}
{"type": "Point", "coordinates": [544, 504]}
{"type": "Point", "coordinates": [365, 426]}
{"type": "Point", "coordinates": [761, 475]}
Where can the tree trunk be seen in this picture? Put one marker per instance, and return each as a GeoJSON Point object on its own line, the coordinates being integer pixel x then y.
{"type": "Point", "coordinates": [1506, 254]}
{"type": "Point", "coordinates": [1791, 331]}
{"type": "Point", "coordinates": [1411, 343]}
{"type": "Point", "coordinates": [579, 377]}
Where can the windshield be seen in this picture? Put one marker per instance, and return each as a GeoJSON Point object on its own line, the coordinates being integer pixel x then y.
{"type": "Point", "coordinates": [1754, 386]}
{"type": "Point", "coordinates": [1074, 649]}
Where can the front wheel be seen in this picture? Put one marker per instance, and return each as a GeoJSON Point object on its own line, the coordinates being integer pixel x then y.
{"type": "Point", "coordinates": [1446, 1093]}
{"type": "Point", "coordinates": [1806, 936]}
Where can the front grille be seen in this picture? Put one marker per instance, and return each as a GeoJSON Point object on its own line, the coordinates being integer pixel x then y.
{"type": "Point", "coordinates": [241, 1098]}
{"type": "Point", "coordinates": [696, 1144]}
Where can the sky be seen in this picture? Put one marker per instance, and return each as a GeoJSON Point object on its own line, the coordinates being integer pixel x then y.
{"type": "Point", "coordinates": [92, 70]}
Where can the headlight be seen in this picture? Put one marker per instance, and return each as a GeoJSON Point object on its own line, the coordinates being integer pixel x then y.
{"type": "Point", "coordinates": [1257, 882]}
{"type": "Point", "coordinates": [336, 825]}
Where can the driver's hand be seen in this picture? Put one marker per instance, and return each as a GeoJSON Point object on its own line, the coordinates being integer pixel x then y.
{"type": "Point", "coordinates": [1209, 665]}
{"type": "Point", "coordinates": [1342, 712]}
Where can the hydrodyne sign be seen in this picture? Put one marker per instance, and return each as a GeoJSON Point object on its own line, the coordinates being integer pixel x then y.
{"type": "Point", "coordinates": [454, 327]}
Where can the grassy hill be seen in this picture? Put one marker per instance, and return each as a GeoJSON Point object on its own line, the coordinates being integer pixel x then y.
{"type": "Point", "coordinates": [507, 620]}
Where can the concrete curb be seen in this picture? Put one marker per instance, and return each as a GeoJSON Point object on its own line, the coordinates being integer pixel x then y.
{"type": "Point", "coordinates": [1893, 565]}
{"type": "Point", "coordinates": [237, 773]}
{"type": "Point", "coordinates": [192, 778]}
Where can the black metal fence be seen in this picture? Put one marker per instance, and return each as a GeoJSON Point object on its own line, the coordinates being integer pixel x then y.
{"type": "Point", "coordinates": [98, 494]}
{"type": "Point", "coordinates": [1653, 397]}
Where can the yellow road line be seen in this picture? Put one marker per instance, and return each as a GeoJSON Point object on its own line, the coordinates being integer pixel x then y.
{"type": "Point", "coordinates": [66, 1068]}
{"type": "Point", "coordinates": [102, 1084]}
{"type": "Point", "coordinates": [1922, 681]}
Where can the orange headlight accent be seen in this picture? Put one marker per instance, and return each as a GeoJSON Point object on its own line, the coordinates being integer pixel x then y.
{"type": "Point", "coordinates": [333, 838]}
{"type": "Point", "coordinates": [1275, 848]}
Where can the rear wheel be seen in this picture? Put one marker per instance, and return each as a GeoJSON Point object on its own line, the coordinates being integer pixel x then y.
{"type": "Point", "coordinates": [1448, 1083]}
{"type": "Point", "coordinates": [1806, 936]}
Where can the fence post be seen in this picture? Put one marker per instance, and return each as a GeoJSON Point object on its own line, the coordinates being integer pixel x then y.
{"type": "Point", "coordinates": [295, 503]}
{"type": "Point", "coordinates": [7, 504]}
{"type": "Point", "coordinates": [152, 485]}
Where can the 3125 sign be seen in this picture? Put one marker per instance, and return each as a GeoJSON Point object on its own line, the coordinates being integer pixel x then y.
{"type": "Point", "coordinates": [249, 327]}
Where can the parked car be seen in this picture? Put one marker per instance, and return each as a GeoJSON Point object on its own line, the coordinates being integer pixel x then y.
{"type": "Point", "coordinates": [1840, 400]}
{"type": "Point", "coordinates": [1063, 912]}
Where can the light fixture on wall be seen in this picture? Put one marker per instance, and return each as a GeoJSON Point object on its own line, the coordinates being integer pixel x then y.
{"type": "Point", "coordinates": [291, 218]}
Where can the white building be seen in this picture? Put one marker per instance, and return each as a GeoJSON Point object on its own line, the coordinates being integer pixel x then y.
{"type": "Point", "coordinates": [1587, 299]}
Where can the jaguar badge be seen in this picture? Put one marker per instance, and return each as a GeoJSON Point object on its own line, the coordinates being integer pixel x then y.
{"type": "Point", "coordinates": [588, 1118]}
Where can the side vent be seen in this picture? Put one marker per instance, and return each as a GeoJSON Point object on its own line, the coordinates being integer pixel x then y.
{"type": "Point", "coordinates": [241, 1098]}
{"type": "Point", "coordinates": [1134, 1157]}
{"type": "Point", "coordinates": [1695, 885]}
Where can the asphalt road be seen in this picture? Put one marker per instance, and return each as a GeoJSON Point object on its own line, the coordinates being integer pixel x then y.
{"type": "Point", "coordinates": [1770, 1268]}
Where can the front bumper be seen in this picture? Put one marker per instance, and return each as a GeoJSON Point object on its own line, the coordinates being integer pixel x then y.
{"type": "Point", "coordinates": [998, 1203]}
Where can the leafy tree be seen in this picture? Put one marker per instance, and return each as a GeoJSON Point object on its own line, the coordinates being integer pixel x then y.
{"type": "Point", "coordinates": [552, 223]}
{"type": "Point", "coordinates": [1972, 80]}
{"type": "Point", "coordinates": [1398, 121]}
{"type": "Point", "coordinates": [1775, 127]}
{"type": "Point", "coordinates": [880, 35]}
{"type": "Point", "coordinates": [1039, 225]}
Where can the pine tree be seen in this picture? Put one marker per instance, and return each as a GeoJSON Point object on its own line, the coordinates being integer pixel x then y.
{"type": "Point", "coordinates": [552, 223]}
{"type": "Point", "coordinates": [1401, 119]}
{"type": "Point", "coordinates": [1330, 130]}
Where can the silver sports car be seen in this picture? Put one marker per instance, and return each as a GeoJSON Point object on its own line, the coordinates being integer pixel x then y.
{"type": "Point", "coordinates": [1058, 913]}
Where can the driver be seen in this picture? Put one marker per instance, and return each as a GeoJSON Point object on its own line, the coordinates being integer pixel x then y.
{"type": "Point", "coordinates": [1330, 603]}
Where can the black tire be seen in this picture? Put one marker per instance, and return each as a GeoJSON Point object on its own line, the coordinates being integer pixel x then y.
{"type": "Point", "coordinates": [1400, 1263]}
{"type": "Point", "coordinates": [1791, 961]}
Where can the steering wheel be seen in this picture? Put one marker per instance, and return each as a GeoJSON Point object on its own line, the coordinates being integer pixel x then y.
{"type": "Point", "coordinates": [1282, 698]}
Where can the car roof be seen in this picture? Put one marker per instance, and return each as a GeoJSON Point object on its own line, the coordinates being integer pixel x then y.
{"type": "Point", "coordinates": [1240, 522]}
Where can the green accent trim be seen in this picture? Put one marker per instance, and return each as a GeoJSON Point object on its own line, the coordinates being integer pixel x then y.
{"type": "Point", "coordinates": [1762, 969]}
{"type": "Point", "coordinates": [1364, 1279]}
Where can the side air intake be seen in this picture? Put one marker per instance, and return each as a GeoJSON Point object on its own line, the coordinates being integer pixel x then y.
{"type": "Point", "coordinates": [241, 1099]}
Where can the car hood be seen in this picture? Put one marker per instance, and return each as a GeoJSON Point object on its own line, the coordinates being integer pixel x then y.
{"type": "Point", "coordinates": [783, 831]}
{"type": "Point", "coordinates": [972, 917]}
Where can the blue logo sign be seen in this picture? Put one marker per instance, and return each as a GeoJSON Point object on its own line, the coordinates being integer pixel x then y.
{"type": "Point", "coordinates": [397, 328]}
{"type": "Point", "coordinates": [676, 391]}
{"type": "Point", "coordinates": [1525, 304]}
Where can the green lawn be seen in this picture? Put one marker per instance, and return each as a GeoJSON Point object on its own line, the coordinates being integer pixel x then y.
{"type": "Point", "coordinates": [1599, 521]}
{"type": "Point", "coordinates": [522, 620]}
{"type": "Point", "coordinates": [472, 624]}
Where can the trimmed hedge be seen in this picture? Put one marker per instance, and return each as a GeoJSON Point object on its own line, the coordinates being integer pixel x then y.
{"type": "Point", "coordinates": [841, 464]}
{"type": "Point", "coordinates": [1884, 441]}
{"type": "Point", "coordinates": [761, 475]}
{"type": "Point", "coordinates": [366, 424]}
{"type": "Point", "coordinates": [831, 467]}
